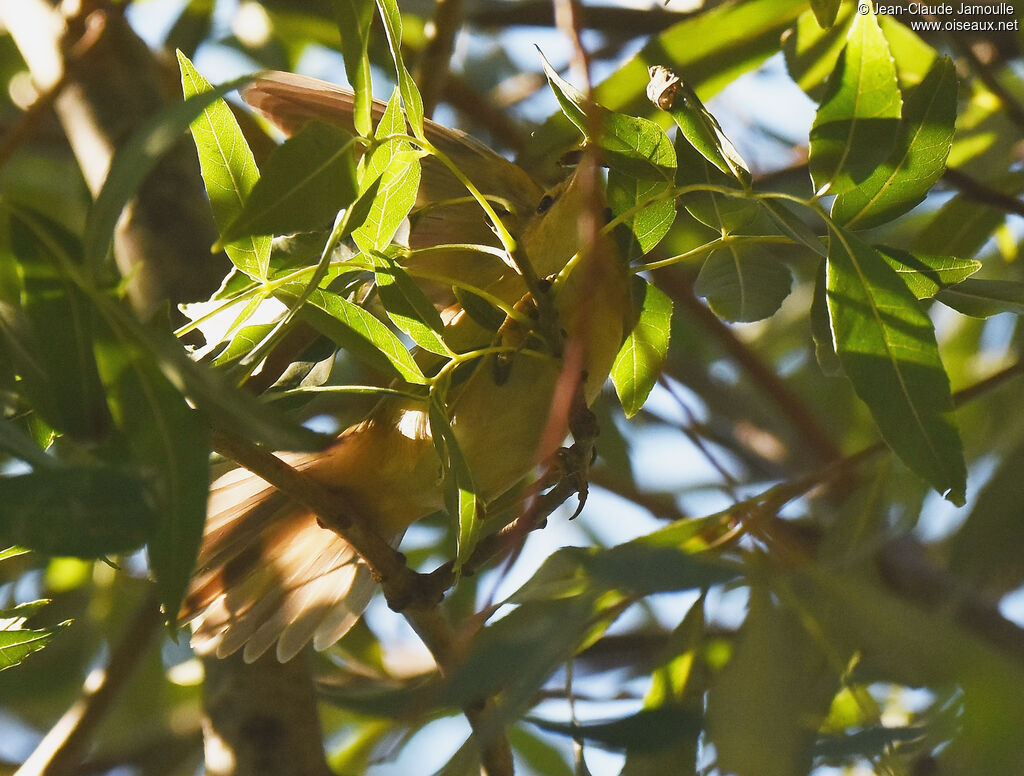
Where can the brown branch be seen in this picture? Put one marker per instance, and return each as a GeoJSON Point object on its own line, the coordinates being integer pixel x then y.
{"type": "Point", "coordinates": [979, 192]}
{"type": "Point", "coordinates": [44, 103]}
{"type": "Point", "coordinates": [818, 442]}
{"type": "Point", "coordinates": [432, 70]}
{"type": "Point", "coordinates": [61, 750]}
{"type": "Point", "coordinates": [1013, 109]}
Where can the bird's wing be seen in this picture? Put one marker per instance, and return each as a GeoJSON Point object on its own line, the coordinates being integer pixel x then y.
{"type": "Point", "coordinates": [268, 572]}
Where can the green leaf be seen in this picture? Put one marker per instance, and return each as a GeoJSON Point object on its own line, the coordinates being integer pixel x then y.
{"type": "Point", "coordinates": [983, 298]}
{"type": "Point", "coordinates": [900, 641]}
{"type": "Point", "coordinates": [703, 132]}
{"type": "Point", "coordinates": [18, 642]}
{"type": "Point", "coordinates": [643, 568]}
{"type": "Point", "coordinates": [887, 347]}
{"type": "Point", "coordinates": [397, 167]}
{"type": "Point", "coordinates": [811, 52]}
{"type": "Point", "coordinates": [85, 511]}
{"type": "Point", "coordinates": [305, 182]}
{"type": "Point", "coordinates": [985, 552]}
{"type": "Point", "coordinates": [724, 214]}
{"type": "Point", "coordinates": [133, 162]}
{"type": "Point", "coordinates": [50, 330]}
{"type": "Point", "coordinates": [631, 185]}
{"type": "Point", "coordinates": [411, 100]}
{"type": "Point", "coordinates": [460, 490]}
{"type": "Point", "coordinates": [639, 361]}
{"type": "Point", "coordinates": [229, 171]}
{"type": "Point", "coordinates": [407, 306]}
{"type": "Point", "coordinates": [923, 140]}
{"type": "Point", "coordinates": [743, 282]}
{"type": "Point", "coordinates": [678, 682]}
{"type": "Point", "coordinates": [776, 664]}
{"type": "Point", "coordinates": [363, 335]}
{"type": "Point", "coordinates": [636, 147]}
{"type": "Point", "coordinates": [926, 275]}
{"type": "Point", "coordinates": [354, 20]}
{"type": "Point", "coordinates": [169, 441]}
{"type": "Point", "coordinates": [854, 127]}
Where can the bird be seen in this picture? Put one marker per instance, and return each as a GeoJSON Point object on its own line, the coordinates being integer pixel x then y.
{"type": "Point", "coordinates": [268, 573]}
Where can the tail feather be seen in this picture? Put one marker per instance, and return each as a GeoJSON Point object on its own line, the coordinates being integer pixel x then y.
{"type": "Point", "coordinates": [268, 572]}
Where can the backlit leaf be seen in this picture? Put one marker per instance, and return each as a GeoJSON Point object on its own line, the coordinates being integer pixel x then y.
{"type": "Point", "coordinates": [923, 140]}
{"type": "Point", "coordinates": [855, 125]}
{"type": "Point", "coordinates": [305, 182]}
{"type": "Point", "coordinates": [926, 275]}
{"type": "Point", "coordinates": [229, 171]}
{"type": "Point", "coordinates": [639, 361]}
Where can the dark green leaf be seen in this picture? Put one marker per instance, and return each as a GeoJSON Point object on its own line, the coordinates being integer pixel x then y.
{"type": "Point", "coordinates": [646, 731]}
{"type": "Point", "coordinates": [86, 511]}
{"type": "Point", "coordinates": [855, 125]}
{"type": "Point", "coordinates": [825, 11]}
{"type": "Point", "coordinates": [777, 664]}
{"type": "Point", "coordinates": [923, 140]}
{"type": "Point", "coordinates": [926, 275]}
{"type": "Point", "coordinates": [887, 347]}
{"type": "Point", "coordinates": [229, 171]}
{"type": "Point", "coordinates": [169, 441]}
{"type": "Point", "coordinates": [520, 651]}
{"type": "Point", "coordinates": [792, 225]}
{"type": "Point", "coordinates": [50, 332]}
{"type": "Point", "coordinates": [982, 298]}
{"type": "Point", "coordinates": [639, 361]}
{"type": "Point", "coordinates": [986, 551]}
{"type": "Point", "coordinates": [869, 743]}
{"type": "Point", "coordinates": [724, 214]}
{"type": "Point", "coordinates": [305, 182]}
{"type": "Point", "coordinates": [642, 568]}
{"type": "Point", "coordinates": [461, 497]}
{"type": "Point", "coordinates": [899, 641]}
{"type": "Point", "coordinates": [354, 20]}
{"type": "Point", "coordinates": [743, 282]}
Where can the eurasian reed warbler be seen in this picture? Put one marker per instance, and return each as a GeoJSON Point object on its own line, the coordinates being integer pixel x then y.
{"type": "Point", "coordinates": [267, 571]}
